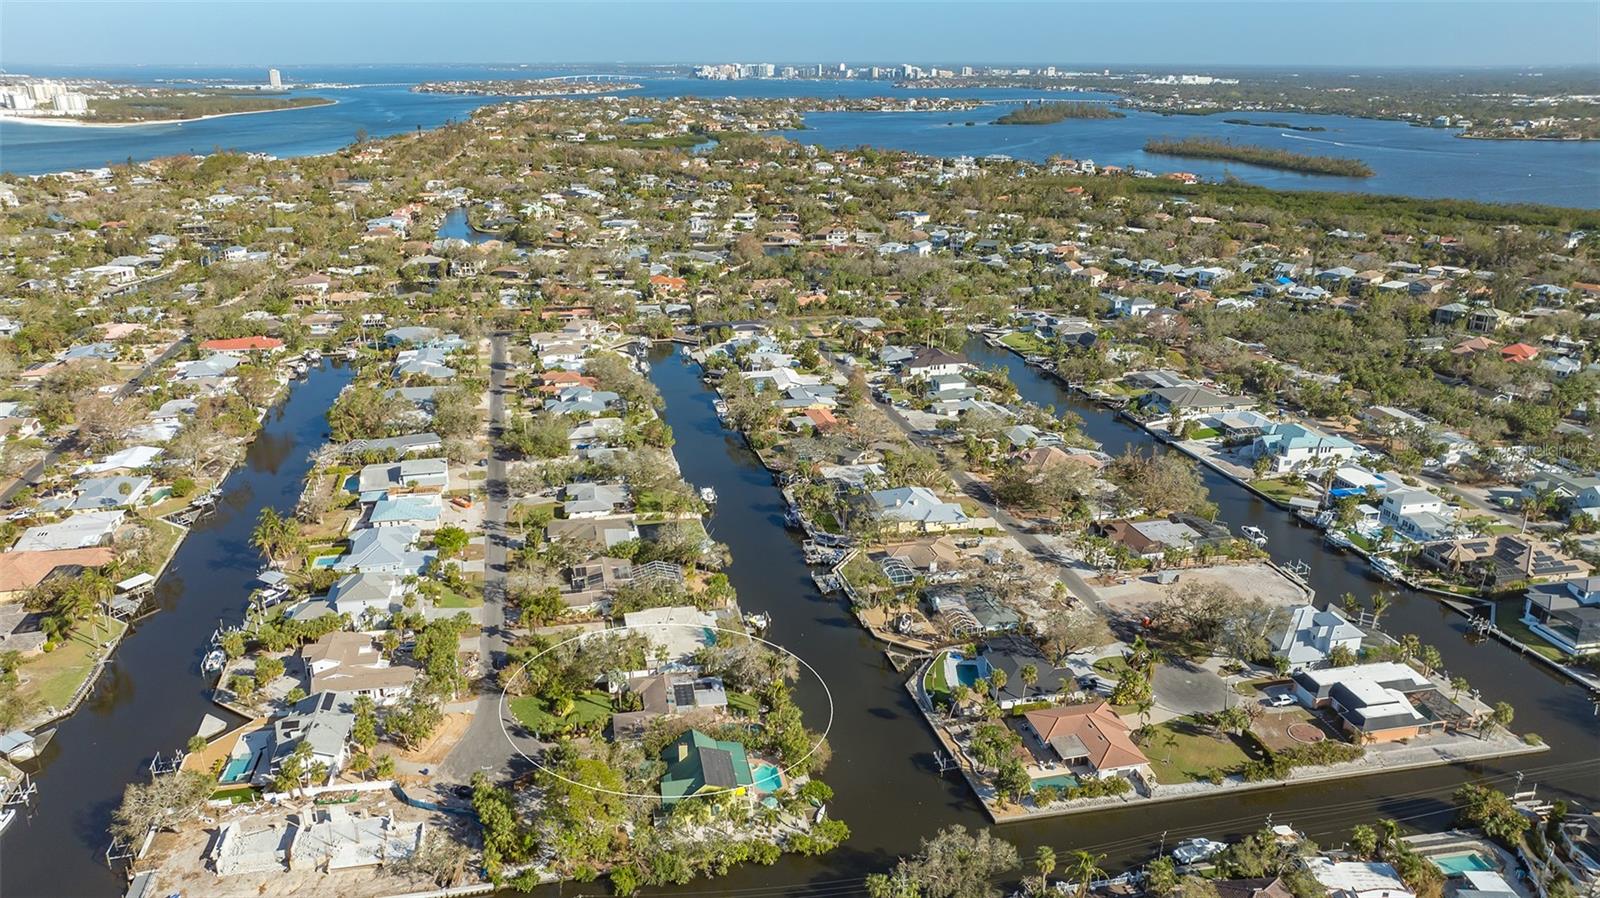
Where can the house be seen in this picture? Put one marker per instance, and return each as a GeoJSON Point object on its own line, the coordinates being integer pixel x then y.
{"type": "Point", "coordinates": [1290, 447]}
{"type": "Point", "coordinates": [412, 475]}
{"type": "Point", "coordinates": [406, 444]}
{"type": "Point", "coordinates": [930, 361]}
{"type": "Point", "coordinates": [1131, 306]}
{"type": "Point", "coordinates": [78, 531]}
{"type": "Point", "coordinates": [22, 571]}
{"type": "Point", "coordinates": [1309, 635]}
{"type": "Point", "coordinates": [1090, 739]}
{"type": "Point", "coordinates": [700, 765]}
{"type": "Point", "coordinates": [365, 595]}
{"type": "Point", "coordinates": [579, 399]}
{"type": "Point", "coordinates": [1357, 879]}
{"type": "Point", "coordinates": [406, 510]}
{"type": "Point", "coordinates": [385, 550]}
{"type": "Point", "coordinates": [1374, 702]}
{"type": "Point", "coordinates": [101, 493]}
{"type": "Point", "coordinates": [1518, 353]}
{"type": "Point", "coordinates": [1566, 614]}
{"type": "Point", "coordinates": [593, 500]}
{"type": "Point", "coordinates": [1578, 494]}
{"type": "Point", "coordinates": [1191, 401]}
{"type": "Point", "coordinates": [348, 663]}
{"type": "Point", "coordinates": [1416, 514]}
{"type": "Point", "coordinates": [1011, 653]}
{"type": "Point", "coordinates": [916, 508]}
{"type": "Point", "coordinates": [604, 533]}
{"type": "Point", "coordinates": [595, 432]}
{"type": "Point", "coordinates": [1495, 561]}
{"type": "Point", "coordinates": [212, 367]}
{"type": "Point", "coordinates": [323, 721]}
{"type": "Point", "coordinates": [243, 345]}
{"type": "Point", "coordinates": [663, 695]}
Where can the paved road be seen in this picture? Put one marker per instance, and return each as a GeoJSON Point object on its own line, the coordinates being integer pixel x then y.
{"type": "Point", "coordinates": [484, 746]}
{"type": "Point", "coordinates": [69, 443]}
{"type": "Point", "coordinates": [978, 492]}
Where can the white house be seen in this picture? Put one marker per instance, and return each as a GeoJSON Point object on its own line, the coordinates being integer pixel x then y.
{"type": "Point", "coordinates": [1416, 514]}
{"type": "Point", "coordinates": [1309, 635]}
{"type": "Point", "coordinates": [1290, 447]}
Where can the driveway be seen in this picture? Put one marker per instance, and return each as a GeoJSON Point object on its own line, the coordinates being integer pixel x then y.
{"type": "Point", "coordinates": [1182, 688]}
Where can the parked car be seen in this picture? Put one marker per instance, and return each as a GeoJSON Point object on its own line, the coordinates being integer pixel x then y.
{"type": "Point", "coordinates": [1280, 700]}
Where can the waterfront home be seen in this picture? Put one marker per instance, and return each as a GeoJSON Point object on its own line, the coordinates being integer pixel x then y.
{"type": "Point", "coordinates": [579, 399]}
{"type": "Point", "coordinates": [78, 531]}
{"type": "Point", "coordinates": [129, 459]}
{"type": "Point", "coordinates": [1190, 401]}
{"type": "Point", "coordinates": [1416, 514]}
{"type": "Point", "coordinates": [430, 362]}
{"type": "Point", "coordinates": [662, 695]}
{"type": "Point", "coordinates": [412, 475]}
{"type": "Point", "coordinates": [1292, 447]}
{"type": "Point", "coordinates": [1012, 653]}
{"type": "Point", "coordinates": [929, 556]}
{"type": "Point", "coordinates": [385, 550]}
{"type": "Point", "coordinates": [1307, 636]}
{"type": "Point", "coordinates": [676, 632]}
{"type": "Point", "coordinates": [1566, 614]}
{"type": "Point", "coordinates": [408, 510]}
{"type": "Point", "coordinates": [1494, 561]}
{"type": "Point", "coordinates": [1088, 740]}
{"type": "Point", "coordinates": [349, 664]}
{"type": "Point", "coordinates": [208, 370]}
{"type": "Point", "coordinates": [366, 596]}
{"type": "Point", "coordinates": [595, 432]}
{"type": "Point", "coordinates": [323, 721]}
{"type": "Point", "coordinates": [916, 508]}
{"type": "Point", "coordinates": [243, 345]}
{"type": "Point", "coordinates": [592, 500]}
{"type": "Point", "coordinates": [850, 477]}
{"type": "Point", "coordinates": [22, 571]}
{"type": "Point", "coordinates": [590, 584]}
{"type": "Point", "coordinates": [1381, 702]}
{"type": "Point", "coordinates": [405, 444]}
{"type": "Point", "coordinates": [1357, 879]}
{"type": "Point", "coordinates": [970, 609]}
{"type": "Point", "coordinates": [698, 764]}
{"type": "Point", "coordinates": [604, 533]}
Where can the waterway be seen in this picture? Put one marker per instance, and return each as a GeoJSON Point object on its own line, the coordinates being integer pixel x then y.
{"type": "Point", "coordinates": [377, 102]}
{"type": "Point", "coordinates": [888, 789]}
{"type": "Point", "coordinates": [151, 697]}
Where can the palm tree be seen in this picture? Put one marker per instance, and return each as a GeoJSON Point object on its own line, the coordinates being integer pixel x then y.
{"type": "Point", "coordinates": [1030, 678]}
{"type": "Point", "coordinates": [1380, 604]}
{"type": "Point", "coordinates": [1084, 868]}
{"type": "Point", "coordinates": [1045, 863]}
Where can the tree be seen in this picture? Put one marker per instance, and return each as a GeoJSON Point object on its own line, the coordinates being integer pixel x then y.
{"type": "Point", "coordinates": [1364, 841]}
{"type": "Point", "coordinates": [450, 540]}
{"type": "Point", "coordinates": [1491, 811]}
{"type": "Point", "coordinates": [1161, 877]}
{"type": "Point", "coordinates": [1083, 868]}
{"type": "Point", "coordinates": [1030, 678]}
{"type": "Point", "coordinates": [268, 669]}
{"type": "Point", "coordinates": [275, 536]}
{"type": "Point", "coordinates": [1011, 779]}
{"type": "Point", "coordinates": [1073, 630]}
{"type": "Point", "coordinates": [952, 864]}
{"type": "Point", "coordinates": [1044, 863]}
{"type": "Point", "coordinates": [158, 803]}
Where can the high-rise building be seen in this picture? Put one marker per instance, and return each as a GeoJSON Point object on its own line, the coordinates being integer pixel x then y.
{"type": "Point", "coordinates": [274, 79]}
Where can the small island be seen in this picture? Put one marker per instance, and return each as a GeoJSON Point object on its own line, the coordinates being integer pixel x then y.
{"type": "Point", "coordinates": [160, 108]}
{"type": "Point", "coordinates": [1050, 113]}
{"type": "Point", "coordinates": [527, 87]}
{"type": "Point", "coordinates": [1267, 157]}
{"type": "Point", "coordinates": [1286, 126]}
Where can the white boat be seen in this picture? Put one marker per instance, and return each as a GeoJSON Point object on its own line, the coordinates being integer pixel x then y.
{"type": "Point", "coordinates": [758, 621]}
{"type": "Point", "coordinates": [1193, 851]}
{"type": "Point", "coordinates": [6, 816]}
{"type": "Point", "coordinates": [708, 495]}
{"type": "Point", "coordinates": [213, 661]}
{"type": "Point", "coordinates": [1386, 568]}
{"type": "Point", "coordinates": [313, 355]}
{"type": "Point", "coordinates": [1337, 540]}
{"type": "Point", "coordinates": [1253, 534]}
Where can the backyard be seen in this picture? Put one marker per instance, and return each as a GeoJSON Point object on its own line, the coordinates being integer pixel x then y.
{"type": "Point", "coordinates": [54, 677]}
{"type": "Point", "coordinates": [1183, 752]}
{"type": "Point", "coordinates": [588, 708]}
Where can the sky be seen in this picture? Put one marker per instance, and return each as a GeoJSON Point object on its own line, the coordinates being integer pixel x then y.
{"type": "Point", "coordinates": [1340, 33]}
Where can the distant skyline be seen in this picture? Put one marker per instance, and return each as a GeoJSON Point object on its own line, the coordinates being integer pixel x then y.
{"type": "Point", "coordinates": [1347, 33]}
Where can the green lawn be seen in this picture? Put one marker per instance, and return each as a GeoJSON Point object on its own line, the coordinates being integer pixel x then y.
{"type": "Point", "coordinates": [1508, 617]}
{"type": "Point", "coordinates": [1279, 490]}
{"type": "Point", "coordinates": [449, 598]}
{"type": "Point", "coordinates": [1114, 666]}
{"type": "Point", "coordinates": [744, 703]}
{"type": "Point", "coordinates": [1024, 343]}
{"type": "Point", "coordinates": [1202, 433]}
{"type": "Point", "coordinates": [935, 683]}
{"type": "Point", "coordinates": [53, 678]}
{"type": "Point", "coordinates": [1180, 752]}
{"type": "Point", "coordinates": [590, 707]}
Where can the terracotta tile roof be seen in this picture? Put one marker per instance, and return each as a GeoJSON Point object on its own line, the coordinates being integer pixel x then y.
{"type": "Point", "coordinates": [1101, 731]}
{"type": "Point", "coordinates": [25, 570]}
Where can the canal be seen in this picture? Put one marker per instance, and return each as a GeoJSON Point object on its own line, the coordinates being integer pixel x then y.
{"type": "Point", "coordinates": [887, 787]}
{"type": "Point", "coordinates": [151, 697]}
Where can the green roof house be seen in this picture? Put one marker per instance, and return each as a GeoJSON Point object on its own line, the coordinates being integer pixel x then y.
{"type": "Point", "coordinates": [697, 763]}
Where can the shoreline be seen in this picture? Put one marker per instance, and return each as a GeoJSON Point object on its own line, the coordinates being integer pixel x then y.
{"type": "Point", "coordinates": [68, 122]}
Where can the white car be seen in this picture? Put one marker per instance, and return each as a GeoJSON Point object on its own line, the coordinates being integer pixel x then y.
{"type": "Point", "coordinates": [1281, 700]}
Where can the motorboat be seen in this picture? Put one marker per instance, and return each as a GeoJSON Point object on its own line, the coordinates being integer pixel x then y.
{"type": "Point", "coordinates": [1193, 851]}
{"type": "Point", "coordinates": [1337, 540]}
{"type": "Point", "coordinates": [1253, 534]}
{"type": "Point", "coordinates": [1387, 568]}
{"type": "Point", "coordinates": [708, 495]}
{"type": "Point", "coordinates": [213, 661]}
{"type": "Point", "coordinates": [757, 621]}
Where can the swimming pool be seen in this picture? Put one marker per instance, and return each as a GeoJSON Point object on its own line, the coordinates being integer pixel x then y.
{"type": "Point", "coordinates": [1457, 864]}
{"type": "Point", "coordinates": [1063, 782]}
{"type": "Point", "coordinates": [967, 673]}
{"type": "Point", "coordinates": [768, 779]}
{"type": "Point", "coordinates": [238, 770]}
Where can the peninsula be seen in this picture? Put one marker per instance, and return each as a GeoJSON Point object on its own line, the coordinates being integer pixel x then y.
{"type": "Point", "coordinates": [1201, 148]}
